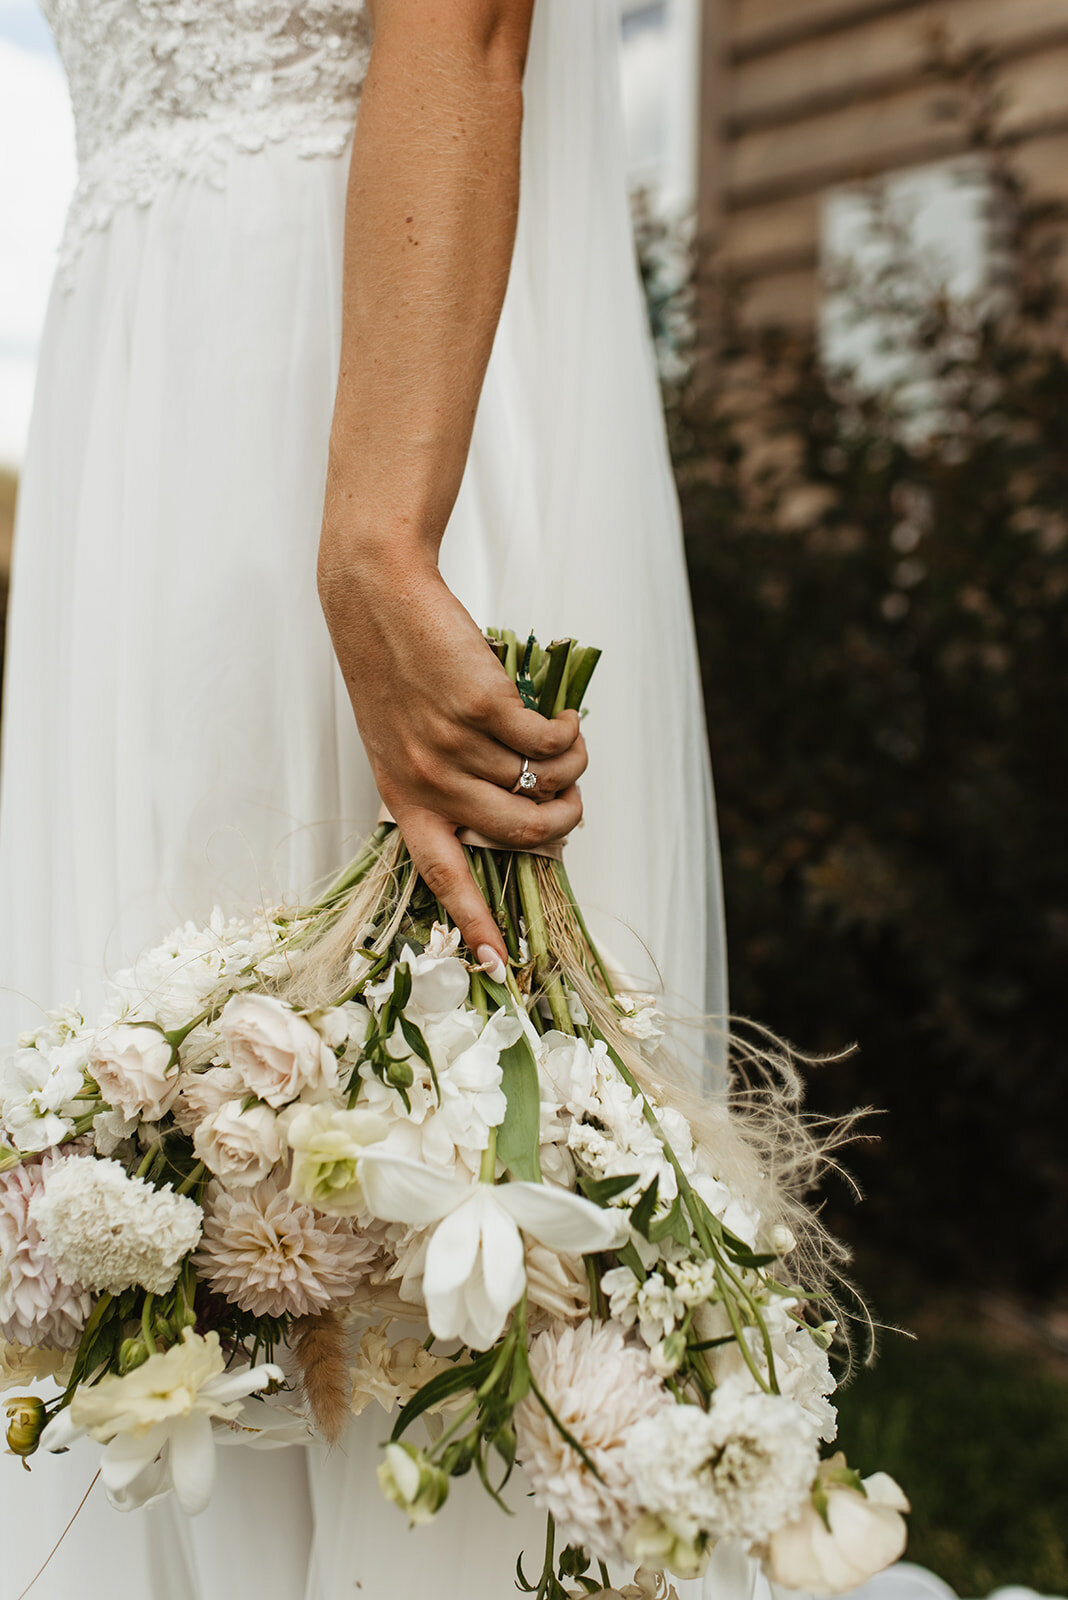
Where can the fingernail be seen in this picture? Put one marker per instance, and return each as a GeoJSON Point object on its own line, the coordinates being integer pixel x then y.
{"type": "Point", "coordinates": [492, 963]}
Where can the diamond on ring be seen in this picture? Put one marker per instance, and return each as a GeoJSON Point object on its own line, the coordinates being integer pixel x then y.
{"type": "Point", "coordinates": [527, 780]}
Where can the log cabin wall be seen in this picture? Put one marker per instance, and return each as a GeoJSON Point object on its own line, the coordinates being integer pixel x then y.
{"type": "Point", "coordinates": [801, 96]}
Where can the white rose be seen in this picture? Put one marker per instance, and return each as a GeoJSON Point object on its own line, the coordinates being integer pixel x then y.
{"type": "Point", "coordinates": [201, 1094]}
{"type": "Point", "coordinates": [278, 1054]}
{"type": "Point", "coordinates": [136, 1069]}
{"type": "Point", "coordinates": [239, 1147]}
{"type": "Point", "coordinates": [326, 1143]}
{"type": "Point", "coordinates": [847, 1532]}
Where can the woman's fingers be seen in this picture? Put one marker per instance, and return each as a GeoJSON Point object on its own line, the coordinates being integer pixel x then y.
{"type": "Point", "coordinates": [535, 736]}
{"type": "Point", "coordinates": [496, 764]}
{"type": "Point", "coordinates": [515, 821]}
{"type": "Point", "coordinates": [440, 861]}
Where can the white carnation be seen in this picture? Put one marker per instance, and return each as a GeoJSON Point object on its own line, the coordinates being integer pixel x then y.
{"type": "Point", "coordinates": [739, 1470]}
{"type": "Point", "coordinates": [107, 1231]}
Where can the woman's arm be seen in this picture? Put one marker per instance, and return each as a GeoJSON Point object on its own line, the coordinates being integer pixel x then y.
{"type": "Point", "coordinates": [433, 196]}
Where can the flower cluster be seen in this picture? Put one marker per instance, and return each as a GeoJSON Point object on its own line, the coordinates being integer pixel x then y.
{"type": "Point", "coordinates": [218, 1196]}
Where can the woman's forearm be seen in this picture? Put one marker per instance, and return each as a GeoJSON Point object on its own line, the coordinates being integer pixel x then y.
{"type": "Point", "coordinates": [430, 226]}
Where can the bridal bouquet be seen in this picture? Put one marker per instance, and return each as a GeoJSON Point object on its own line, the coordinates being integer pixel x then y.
{"type": "Point", "coordinates": [321, 1159]}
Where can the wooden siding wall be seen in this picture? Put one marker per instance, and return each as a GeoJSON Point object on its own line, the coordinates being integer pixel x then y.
{"type": "Point", "coordinates": [801, 95]}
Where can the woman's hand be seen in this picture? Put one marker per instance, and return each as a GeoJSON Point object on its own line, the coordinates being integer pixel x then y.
{"type": "Point", "coordinates": [443, 725]}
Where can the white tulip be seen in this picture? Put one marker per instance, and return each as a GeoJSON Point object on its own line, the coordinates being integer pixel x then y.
{"type": "Point", "coordinates": [850, 1530]}
{"type": "Point", "coordinates": [475, 1270]}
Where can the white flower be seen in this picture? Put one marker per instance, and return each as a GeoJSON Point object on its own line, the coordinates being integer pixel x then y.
{"type": "Point", "coordinates": [240, 1146]}
{"type": "Point", "coordinates": [738, 1470]}
{"type": "Point", "coordinates": [651, 1302]}
{"type": "Point", "coordinates": [176, 978]}
{"type": "Point", "coordinates": [845, 1534]}
{"type": "Point", "coordinates": [599, 1387]}
{"type": "Point", "coordinates": [156, 1422]}
{"type": "Point", "coordinates": [660, 1543]}
{"type": "Point", "coordinates": [277, 1053]}
{"type": "Point", "coordinates": [36, 1095]}
{"type": "Point", "coordinates": [22, 1364]}
{"type": "Point", "coordinates": [411, 1481]}
{"type": "Point", "coordinates": [342, 1026]}
{"type": "Point", "coordinates": [390, 1373]}
{"type": "Point", "coordinates": [107, 1231]}
{"type": "Point", "coordinates": [202, 1093]}
{"type": "Point", "coordinates": [474, 1270]}
{"type": "Point", "coordinates": [735, 1213]}
{"type": "Point", "coordinates": [36, 1306]}
{"type": "Point", "coordinates": [326, 1143]}
{"type": "Point", "coordinates": [801, 1366]}
{"type": "Point", "coordinates": [440, 979]}
{"type": "Point", "coordinates": [136, 1069]}
{"type": "Point", "coordinates": [271, 1256]}
{"type": "Point", "coordinates": [641, 1018]}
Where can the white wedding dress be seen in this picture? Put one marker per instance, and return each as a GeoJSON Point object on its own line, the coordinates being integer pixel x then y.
{"type": "Point", "coordinates": [175, 733]}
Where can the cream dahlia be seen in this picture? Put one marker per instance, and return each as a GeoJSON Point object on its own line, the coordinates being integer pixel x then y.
{"type": "Point", "coordinates": [274, 1256]}
{"type": "Point", "coordinates": [599, 1387]}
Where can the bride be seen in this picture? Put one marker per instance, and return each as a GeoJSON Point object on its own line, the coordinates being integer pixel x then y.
{"type": "Point", "coordinates": [433, 328]}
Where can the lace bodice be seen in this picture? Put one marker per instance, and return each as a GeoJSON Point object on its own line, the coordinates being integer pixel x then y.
{"type": "Point", "coordinates": [164, 87]}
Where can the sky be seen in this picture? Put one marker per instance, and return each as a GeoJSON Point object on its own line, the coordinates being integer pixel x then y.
{"type": "Point", "coordinates": [37, 168]}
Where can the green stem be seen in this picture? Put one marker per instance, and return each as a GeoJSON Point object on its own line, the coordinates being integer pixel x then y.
{"type": "Point", "coordinates": [146, 1324]}
{"type": "Point", "coordinates": [487, 1172]}
{"type": "Point", "coordinates": [538, 939]}
{"type": "Point", "coordinates": [192, 1180]}
{"type": "Point", "coordinates": [499, 903]}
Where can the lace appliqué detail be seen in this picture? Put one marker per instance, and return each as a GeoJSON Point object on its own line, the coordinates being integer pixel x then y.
{"type": "Point", "coordinates": [165, 88]}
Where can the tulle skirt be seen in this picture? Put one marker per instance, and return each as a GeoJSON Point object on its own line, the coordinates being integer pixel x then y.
{"type": "Point", "coordinates": [176, 733]}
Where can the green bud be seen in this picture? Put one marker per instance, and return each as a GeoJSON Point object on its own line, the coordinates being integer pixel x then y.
{"type": "Point", "coordinates": [26, 1419]}
{"type": "Point", "coordinates": [399, 1075]}
{"type": "Point", "coordinates": [132, 1353]}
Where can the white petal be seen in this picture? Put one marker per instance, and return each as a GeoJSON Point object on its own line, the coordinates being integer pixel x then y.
{"type": "Point", "coordinates": [61, 1432]}
{"type": "Point", "coordinates": [453, 1250]}
{"type": "Point", "coordinates": [562, 1220]}
{"type": "Point", "coordinates": [192, 1463]}
{"type": "Point", "coordinates": [236, 1385]}
{"type": "Point", "coordinates": [129, 1454]}
{"type": "Point", "coordinates": [502, 1261]}
{"type": "Point", "coordinates": [882, 1490]}
{"type": "Point", "coordinates": [401, 1190]}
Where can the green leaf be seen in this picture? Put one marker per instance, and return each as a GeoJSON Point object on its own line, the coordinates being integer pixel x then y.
{"type": "Point", "coordinates": [642, 1215]}
{"type": "Point", "coordinates": [402, 986]}
{"type": "Point", "coordinates": [527, 692]}
{"type": "Point", "coordinates": [419, 1047]}
{"type": "Point", "coordinates": [442, 1387]}
{"type": "Point", "coordinates": [517, 1136]}
{"type": "Point", "coordinates": [601, 1190]}
{"type": "Point", "coordinates": [673, 1225]}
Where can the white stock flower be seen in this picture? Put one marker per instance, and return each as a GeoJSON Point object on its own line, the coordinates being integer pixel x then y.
{"type": "Point", "coordinates": [136, 1069]}
{"type": "Point", "coordinates": [36, 1306]}
{"type": "Point", "coordinates": [240, 1146]}
{"type": "Point", "coordinates": [278, 1054]}
{"type": "Point", "coordinates": [474, 1270]}
{"type": "Point", "coordinates": [738, 1470]}
{"type": "Point", "coordinates": [106, 1230]}
{"type": "Point", "coordinates": [156, 1422]}
{"type": "Point", "coordinates": [36, 1095]}
{"type": "Point", "coordinates": [599, 1387]}
{"type": "Point", "coordinates": [177, 977]}
{"type": "Point", "coordinates": [740, 1218]}
{"type": "Point", "coordinates": [850, 1530]}
{"type": "Point", "coordinates": [327, 1143]}
{"type": "Point", "coordinates": [801, 1366]}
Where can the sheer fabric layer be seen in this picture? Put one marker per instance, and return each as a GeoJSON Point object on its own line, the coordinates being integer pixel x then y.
{"type": "Point", "coordinates": [175, 731]}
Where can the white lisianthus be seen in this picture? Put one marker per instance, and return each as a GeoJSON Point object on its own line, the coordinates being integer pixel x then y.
{"type": "Point", "coordinates": [412, 1482]}
{"type": "Point", "coordinates": [278, 1054]}
{"type": "Point", "coordinates": [738, 1470]}
{"type": "Point", "coordinates": [36, 1095]}
{"type": "Point", "coordinates": [327, 1143]}
{"type": "Point", "coordinates": [849, 1530]}
{"type": "Point", "coordinates": [240, 1146]}
{"type": "Point", "coordinates": [156, 1422]}
{"type": "Point", "coordinates": [440, 979]}
{"type": "Point", "coordinates": [136, 1069]}
{"type": "Point", "coordinates": [106, 1231]}
{"type": "Point", "coordinates": [474, 1270]}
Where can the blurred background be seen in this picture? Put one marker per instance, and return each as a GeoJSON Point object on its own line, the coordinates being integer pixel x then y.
{"type": "Point", "coordinates": [851, 218]}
